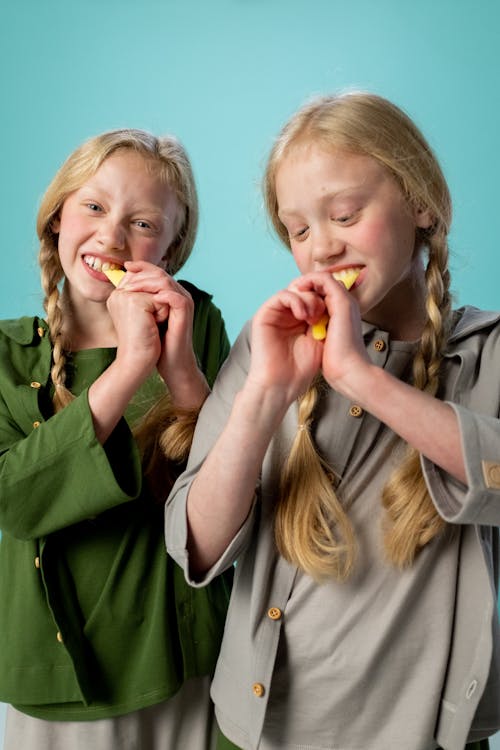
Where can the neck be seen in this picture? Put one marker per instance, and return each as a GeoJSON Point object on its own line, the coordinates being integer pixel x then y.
{"type": "Point", "coordinates": [405, 314]}
{"type": "Point", "coordinates": [88, 325]}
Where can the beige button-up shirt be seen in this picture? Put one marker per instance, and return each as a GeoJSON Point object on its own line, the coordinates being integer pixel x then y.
{"type": "Point", "coordinates": [456, 699]}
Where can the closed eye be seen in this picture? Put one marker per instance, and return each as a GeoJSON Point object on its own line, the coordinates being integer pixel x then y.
{"type": "Point", "coordinates": [345, 218]}
{"type": "Point", "coordinates": [299, 234]}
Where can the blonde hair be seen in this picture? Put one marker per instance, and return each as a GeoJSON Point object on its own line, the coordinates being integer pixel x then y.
{"type": "Point", "coordinates": [312, 528]}
{"type": "Point", "coordinates": [167, 159]}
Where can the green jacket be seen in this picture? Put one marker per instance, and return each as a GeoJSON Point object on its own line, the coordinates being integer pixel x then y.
{"type": "Point", "coordinates": [64, 496]}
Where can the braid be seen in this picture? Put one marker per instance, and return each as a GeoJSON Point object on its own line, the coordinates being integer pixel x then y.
{"type": "Point", "coordinates": [412, 516]}
{"type": "Point", "coordinates": [51, 273]}
{"type": "Point", "coordinates": [164, 436]}
{"type": "Point", "coordinates": [312, 529]}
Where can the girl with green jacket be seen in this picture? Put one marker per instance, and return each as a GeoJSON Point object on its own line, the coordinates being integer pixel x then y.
{"type": "Point", "coordinates": [102, 644]}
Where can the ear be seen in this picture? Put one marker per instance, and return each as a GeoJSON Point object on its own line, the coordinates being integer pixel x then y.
{"type": "Point", "coordinates": [423, 218]}
{"type": "Point", "coordinates": [55, 225]}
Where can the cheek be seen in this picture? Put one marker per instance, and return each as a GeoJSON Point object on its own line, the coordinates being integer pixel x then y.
{"type": "Point", "coordinates": [373, 234]}
{"type": "Point", "coordinates": [388, 236]}
{"type": "Point", "coordinates": [301, 258]}
{"type": "Point", "coordinates": [402, 228]}
{"type": "Point", "coordinates": [71, 226]}
{"type": "Point", "coordinates": [151, 251]}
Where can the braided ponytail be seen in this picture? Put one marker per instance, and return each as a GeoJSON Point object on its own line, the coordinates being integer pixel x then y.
{"type": "Point", "coordinates": [164, 436]}
{"type": "Point", "coordinates": [312, 530]}
{"type": "Point", "coordinates": [412, 519]}
{"type": "Point", "coordinates": [51, 274]}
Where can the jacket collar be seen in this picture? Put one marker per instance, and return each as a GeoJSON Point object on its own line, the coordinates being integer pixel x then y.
{"type": "Point", "coordinates": [25, 330]}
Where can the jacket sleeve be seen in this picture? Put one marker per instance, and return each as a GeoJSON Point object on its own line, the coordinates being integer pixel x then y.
{"type": "Point", "coordinates": [211, 421]}
{"type": "Point", "coordinates": [210, 339]}
{"type": "Point", "coordinates": [57, 473]}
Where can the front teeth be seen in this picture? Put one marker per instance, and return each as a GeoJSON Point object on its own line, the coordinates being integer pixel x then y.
{"type": "Point", "coordinates": [97, 265]}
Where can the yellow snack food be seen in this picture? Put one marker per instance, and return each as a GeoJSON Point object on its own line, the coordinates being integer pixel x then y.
{"type": "Point", "coordinates": [115, 275]}
{"type": "Point", "coordinates": [319, 328]}
{"type": "Point", "coordinates": [347, 277]}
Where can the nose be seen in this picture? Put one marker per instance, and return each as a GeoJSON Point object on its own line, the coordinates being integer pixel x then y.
{"type": "Point", "coordinates": [111, 234]}
{"type": "Point", "coordinates": [326, 244]}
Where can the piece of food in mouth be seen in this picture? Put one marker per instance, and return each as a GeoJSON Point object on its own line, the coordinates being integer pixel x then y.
{"type": "Point", "coordinates": [115, 275]}
{"type": "Point", "coordinates": [347, 277]}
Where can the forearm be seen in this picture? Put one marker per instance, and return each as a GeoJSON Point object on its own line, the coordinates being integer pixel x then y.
{"type": "Point", "coordinates": [425, 422]}
{"type": "Point", "coordinates": [221, 495]}
{"type": "Point", "coordinates": [110, 395]}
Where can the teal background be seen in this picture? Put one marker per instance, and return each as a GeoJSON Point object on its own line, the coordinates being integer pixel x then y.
{"type": "Point", "coordinates": [224, 76]}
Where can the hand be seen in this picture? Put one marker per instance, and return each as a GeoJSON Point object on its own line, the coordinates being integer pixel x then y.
{"type": "Point", "coordinates": [285, 357]}
{"type": "Point", "coordinates": [174, 307]}
{"type": "Point", "coordinates": [344, 351]}
{"type": "Point", "coordinates": [135, 317]}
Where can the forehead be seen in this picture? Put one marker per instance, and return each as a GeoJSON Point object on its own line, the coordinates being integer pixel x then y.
{"type": "Point", "coordinates": [129, 160]}
{"type": "Point", "coordinates": [339, 161]}
{"type": "Point", "coordinates": [128, 174]}
{"type": "Point", "coordinates": [314, 168]}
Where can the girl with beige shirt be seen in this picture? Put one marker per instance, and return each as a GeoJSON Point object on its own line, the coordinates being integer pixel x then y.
{"type": "Point", "coordinates": [354, 478]}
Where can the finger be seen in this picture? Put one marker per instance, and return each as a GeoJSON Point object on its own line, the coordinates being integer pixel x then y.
{"type": "Point", "coordinates": [311, 306]}
{"type": "Point", "coordinates": [155, 281]}
{"type": "Point", "coordinates": [174, 298]}
{"type": "Point", "coordinates": [320, 282]}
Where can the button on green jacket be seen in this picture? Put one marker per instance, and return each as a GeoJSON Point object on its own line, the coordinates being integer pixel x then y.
{"type": "Point", "coordinates": [65, 497]}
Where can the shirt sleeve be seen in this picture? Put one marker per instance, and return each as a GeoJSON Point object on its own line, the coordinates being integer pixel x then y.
{"type": "Point", "coordinates": [478, 502]}
{"type": "Point", "coordinates": [472, 389]}
{"type": "Point", "coordinates": [211, 421]}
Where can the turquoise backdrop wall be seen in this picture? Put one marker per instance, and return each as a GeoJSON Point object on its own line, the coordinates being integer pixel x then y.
{"type": "Point", "coordinates": [224, 75]}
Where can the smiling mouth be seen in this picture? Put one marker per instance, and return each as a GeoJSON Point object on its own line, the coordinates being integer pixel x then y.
{"type": "Point", "coordinates": [97, 265]}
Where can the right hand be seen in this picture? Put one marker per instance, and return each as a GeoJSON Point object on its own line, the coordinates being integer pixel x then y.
{"type": "Point", "coordinates": [285, 356]}
{"type": "Point", "coordinates": [135, 317]}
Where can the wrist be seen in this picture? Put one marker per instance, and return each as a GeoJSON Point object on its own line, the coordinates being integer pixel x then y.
{"type": "Point", "coordinates": [263, 407]}
{"type": "Point", "coordinates": [360, 384]}
{"type": "Point", "coordinates": [376, 390]}
{"type": "Point", "coordinates": [188, 390]}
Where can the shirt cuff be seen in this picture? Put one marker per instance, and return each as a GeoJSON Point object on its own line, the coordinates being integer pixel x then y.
{"type": "Point", "coordinates": [478, 502]}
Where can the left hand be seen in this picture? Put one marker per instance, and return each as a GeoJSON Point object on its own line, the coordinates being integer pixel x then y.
{"type": "Point", "coordinates": [175, 309]}
{"type": "Point", "coordinates": [344, 351]}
